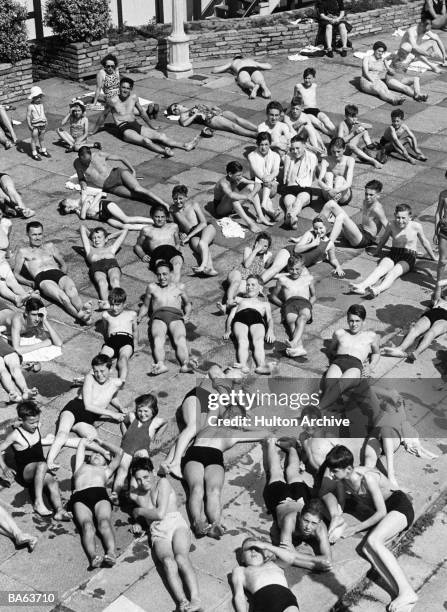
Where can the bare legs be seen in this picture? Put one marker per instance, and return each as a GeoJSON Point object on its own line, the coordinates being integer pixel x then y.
{"type": "Point", "coordinates": [178, 333]}
{"type": "Point", "coordinates": [386, 271]}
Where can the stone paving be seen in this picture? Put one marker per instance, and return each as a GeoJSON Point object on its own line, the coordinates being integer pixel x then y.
{"type": "Point", "coordinates": [59, 563]}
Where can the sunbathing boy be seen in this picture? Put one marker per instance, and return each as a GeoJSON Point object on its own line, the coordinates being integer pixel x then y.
{"type": "Point", "coordinates": [356, 136]}
{"type": "Point", "coordinates": [337, 173]}
{"type": "Point", "coordinates": [250, 319]}
{"type": "Point", "coordinates": [234, 190]}
{"type": "Point", "coordinates": [295, 294]}
{"type": "Point", "coordinates": [256, 259]}
{"type": "Point", "coordinates": [31, 467]}
{"type": "Point", "coordinates": [104, 268]}
{"type": "Point", "coordinates": [121, 333]}
{"type": "Point", "coordinates": [401, 259]}
{"type": "Point", "coordinates": [264, 169]}
{"type": "Point", "coordinates": [308, 91]}
{"type": "Point", "coordinates": [392, 513]}
{"type": "Point", "coordinates": [156, 503]}
{"type": "Point", "coordinates": [278, 130]}
{"type": "Point", "coordinates": [398, 138]}
{"type": "Point", "coordinates": [194, 229]}
{"type": "Point", "coordinates": [263, 579]}
{"type": "Point", "coordinates": [300, 123]}
{"type": "Point", "coordinates": [141, 427]}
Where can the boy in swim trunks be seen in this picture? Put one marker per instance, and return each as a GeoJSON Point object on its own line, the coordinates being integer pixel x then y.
{"type": "Point", "coordinates": [160, 242]}
{"type": "Point", "coordinates": [104, 268]}
{"type": "Point", "coordinates": [348, 351]}
{"type": "Point", "coordinates": [392, 513]}
{"type": "Point", "coordinates": [262, 579]}
{"type": "Point", "coordinates": [337, 173]}
{"type": "Point", "coordinates": [356, 134]}
{"type": "Point", "coordinates": [171, 309]}
{"type": "Point", "coordinates": [156, 503]}
{"type": "Point", "coordinates": [398, 138]}
{"type": "Point", "coordinates": [295, 294]}
{"type": "Point", "coordinates": [300, 123]}
{"type": "Point", "coordinates": [121, 333]}
{"type": "Point", "coordinates": [308, 91]}
{"type": "Point", "coordinates": [401, 259]}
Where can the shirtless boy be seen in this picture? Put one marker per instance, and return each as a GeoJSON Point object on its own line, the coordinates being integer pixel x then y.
{"type": "Point", "coordinates": [356, 134]}
{"type": "Point", "coordinates": [100, 255]}
{"type": "Point", "coordinates": [337, 173]}
{"type": "Point", "coordinates": [248, 74]}
{"type": "Point", "coordinates": [94, 171]}
{"type": "Point", "coordinates": [48, 271]}
{"type": "Point", "coordinates": [348, 351]}
{"type": "Point", "coordinates": [251, 319]}
{"type": "Point", "coordinates": [123, 107]}
{"type": "Point", "coordinates": [160, 242]}
{"type": "Point", "coordinates": [392, 513]}
{"type": "Point", "coordinates": [122, 332]}
{"type": "Point", "coordinates": [295, 294]}
{"type": "Point", "coordinates": [171, 309]}
{"type": "Point", "coordinates": [194, 229]}
{"type": "Point", "coordinates": [300, 124]}
{"type": "Point", "coordinates": [398, 138]}
{"type": "Point", "coordinates": [401, 259]}
{"type": "Point", "coordinates": [425, 44]}
{"type": "Point", "coordinates": [157, 506]}
{"type": "Point", "coordinates": [263, 579]}
{"type": "Point", "coordinates": [278, 130]}
{"type": "Point", "coordinates": [373, 218]}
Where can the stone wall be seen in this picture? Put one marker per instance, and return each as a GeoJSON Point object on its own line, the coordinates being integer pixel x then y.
{"type": "Point", "coordinates": [15, 81]}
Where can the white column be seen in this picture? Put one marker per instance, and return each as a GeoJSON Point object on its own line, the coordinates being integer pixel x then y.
{"type": "Point", "coordinates": [179, 66]}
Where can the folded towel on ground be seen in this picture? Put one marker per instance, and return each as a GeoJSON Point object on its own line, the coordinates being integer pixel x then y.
{"type": "Point", "coordinates": [231, 228]}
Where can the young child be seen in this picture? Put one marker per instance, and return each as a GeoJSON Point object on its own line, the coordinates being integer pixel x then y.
{"type": "Point", "coordinates": [256, 260]}
{"type": "Point", "coordinates": [392, 514]}
{"type": "Point", "coordinates": [156, 503]}
{"type": "Point", "coordinates": [31, 467]}
{"type": "Point", "coordinates": [264, 168]}
{"type": "Point", "coordinates": [308, 91]}
{"type": "Point", "coordinates": [78, 134]}
{"type": "Point", "coordinates": [300, 123]}
{"type": "Point", "coordinates": [315, 245]}
{"type": "Point", "coordinates": [337, 173]}
{"type": "Point", "coordinates": [140, 428]}
{"type": "Point", "coordinates": [278, 130]}
{"type": "Point", "coordinates": [104, 268]}
{"type": "Point", "coordinates": [37, 123]}
{"type": "Point", "coordinates": [122, 331]}
{"type": "Point", "coordinates": [356, 136]}
{"type": "Point", "coordinates": [398, 138]}
{"type": "Point", "coordinates": [194, 229]}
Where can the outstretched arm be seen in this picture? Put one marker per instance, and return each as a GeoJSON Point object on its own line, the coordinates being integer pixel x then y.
{"type": "Point", "coordinates": [119, 241]}
{"type": "Point", "coordinates": [220, 69]}
{"type": "Point", "coordinates": [238, 582]}
{"type": "Point", "coordinates": [85, 240]}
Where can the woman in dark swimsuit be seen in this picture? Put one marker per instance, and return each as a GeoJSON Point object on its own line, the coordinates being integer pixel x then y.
{"type": "Point", "coordinates": [248, 75]}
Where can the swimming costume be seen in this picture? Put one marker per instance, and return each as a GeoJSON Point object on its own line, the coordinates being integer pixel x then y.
{"type": "Point", "coordinates": [248, 317]}
{"type": "Point", "coordinates": [202, 396]}
{"type": "Point", "coordinates": [167, 314]}
{"type": "Point", "coordinates": [346, 362]}
{"type": "Point", "coordinates": [273, 598]}
{"type": "Point", "coordinates": [400, 502]}
{"type": "Point", "coordinates": [165, 529]}
{"type": "Point", "coordinates": [32, 454]}
{"type": "Point", "coordinates": [103, 211]}
{"type": "Point", "coordinates": [248, 69]}
{"type": "Point", "coordinates": [435, 314]}
{"type": "Point", "coordinates": [136, 438]}
{"type": "Point", "coordinates": [295, 305]}
{"type": "Point", "coordinates": [81, 415]}
{"type": "Point", "coordinates": [113, 180]}
{"type": "Point", "coordinates": [6, 349]}
{"type": "Point", "coordinates": [277, 491]}
{"type": "Point", "coordinates": [206, 455]}
{"type": "Point", "coordinates": [442, 229]}
{"type": "Point", "coordinates": [54, 275]}
{"type": "Point", "coordinates": [312, 111]}
{"type": "Point", "coordinates": [89, 496]}
{"type": "Point", "coordinates": [163, 252]}
{"type": "Point", "coordinates": [312, 256]}
{"type": "Point", "coordinates": [129, 125]}
{"type": "Point", "coordinates": [117, 341]}
{"type": "Point", "coordinates": [111, 85]}
{"type": "Point", "coordinates": [103, 265]}
{"type": "Point", "coordinates": [397, 255]}
{"type": "Point", "coordinates": [367, 239]}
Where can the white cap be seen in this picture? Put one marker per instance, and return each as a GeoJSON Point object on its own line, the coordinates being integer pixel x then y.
{"type": "Point", "coordinates": [35, 91]}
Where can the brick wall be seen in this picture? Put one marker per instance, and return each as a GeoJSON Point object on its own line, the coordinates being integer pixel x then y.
{"type": "Point", "coordinates": [15, 81]}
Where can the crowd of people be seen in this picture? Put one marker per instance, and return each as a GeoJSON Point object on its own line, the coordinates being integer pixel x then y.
{"type": "Point", "coordinates": [299, 157]}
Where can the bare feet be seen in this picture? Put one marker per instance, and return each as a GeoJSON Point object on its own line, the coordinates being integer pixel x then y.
{"type": "Point", "coordinates": [377, 164]}
{"type": "Point", "coordinates": [96, 562]}
{"type": "Point", "coordinates": [405, 601]}
{"type": "Point", "coordinates": [254, 92]}
{"type": "Point", "coordinates": [210, 272]}
{"type": "Point", "coordinates": [411, 357]}
{"type": "Point", "coordinates": [30, 393]}
{"type": "Point", "coordinates": [186, 368]}
{"type": "Point", "coordinates": [244, 369]}
{"type": "Point", "coordinates": [176, 470]}
{"type": "Point", "coordinates": [109, 560]}
{"type": "Point", "coordinates": [168, 152]}
{"type": "Point", "coordinates": [189, 146]}
{"type": "Point", "coordinates": [296, 352]}
{"type": "Point", "coordinates": [14, 398]}
{"type": "Point", "coordinates": [263, 369]}
{"type": "Point", "coordinates": [221, 307]}
{"type": "Point", "coordinates": [371, 292]}
{"type": "Point", "coordinates": [103, 305]}
{"type": "Point", "coordinates": [195, 606]}
{"type": "Point", "coordinates": [63, 516]}
{"type": "Point", "coordinates": [158, 368]}
{"type": "Point", "coordinates": [25, 539]}
{"type": "Point", "coordinates": [42, 510]}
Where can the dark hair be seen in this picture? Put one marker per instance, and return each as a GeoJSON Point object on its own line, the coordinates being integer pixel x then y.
{"type": "Point", "coordinates": [109, 58]}
{"type": "Point", "coordinates": [397, 113]}
{"type": "Point", "coordinates": [310, 71]}
{"type": "Point", "coordinates": [358, 310]}
{"type": "Point", "coordinates": [403, 208]}
{"type": "Point", "coordinates": [97, 229]}
{"type": "Point", "coordinates": [33, 304]}
{"type": "Point", "coordinates": [127, 80]}
{"type": "Point", "coordinates": [141, 463]}
{"type": "Point", "coordinates": [319, 219]}
{"type": "Point", "coordinates": [379, 45]}
{"type": "Point", "coordinates": [314, 507]}
{"type": "Point", "coordinates": [338, 143]}
{"type": "Point", "coordinates": [102, 359]}
{"type": "Point", "coordinates": [169, 110]}
{"type": "Point", "coordinates": [233, 167]}
{"type": "Point", "coordinates": [274, 105]}
{"type": "Point", "coordinates": [351, 110]}
{"type": "Point", "coordinates": [61, 207]}
{"type": "Point", "coordinates": [426, 17]}
{"type": "Point", "coordinates": [238, 56]}
{"type": "Point", "coordinates": [374, 184]}
{"type": "Point", "coordinates": [84, 149]}
{"type": "Point", "coordinates": [28, 408]}
{"type": "Point", "coordinates": [147, 400]}
{"type": "Point", "coordinates": [117, 296]}
{"type": "Point", "coordinates": [339, 457]}
{"type": "Point", "coordinates": [180, 189]}
{"type": "Point", "coordinates": [294, 259]}
{"type": "Point", "coordinates": [299, 138]}
{"type": "Point", "coordinates": [263, 236]}
{"type": "Point", "coordinates": [163, 264]}
{"type": "Point", "coordinates": [263, 136]}
{"type": "Point", "coordinates": [157, 208]}
{"type": "Point", "coordinates": [33, 225]}
{"type": "Point", "coordinates": [257, 277]}
{"type": "Point", "coordinates": [297, 101]}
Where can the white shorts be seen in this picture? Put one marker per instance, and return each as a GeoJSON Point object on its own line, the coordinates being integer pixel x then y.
{"type": "Point", "coordinates": [165, 529]}
{"type": "Point", "coordinates": [5, 270]}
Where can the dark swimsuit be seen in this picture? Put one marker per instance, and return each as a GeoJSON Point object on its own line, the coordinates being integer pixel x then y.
{"type": "Point", "coordinates": [167, 314]}
{"type": "Point", "coordinates": [248, 317]}
{"type": "Point", "coordinates": [103, 211]}
{"type": "Point", "coordinates": [206, 455]}
{"type": "Point", "coordinates": [367, 239]}
{"type": "Point", "coordinates": [294, 305]}
{"type": "Point", "coordinates": [117, 341]}
{"type": "Point", "coordinates": [435, 314]}
{"type": "Point", "coordinates": [202, 396]}
{"type": "Point", "coordinates": [163, 252]}
{"type": "Point", "coordinates": [346, 362]}
{"type": "Point", "coordinates": [103, 265]}
{"type": "Point", "coordinates": [273, 598]}
{"type": "Point", "coordinates": [398, 255]}
{"type": "Point", "coordinates": [136, 438]}
{"type": "Point", "coordinates": [32, 454]}
{"type": "Point", "coordinates": [248, 69]}
{"type": "Point", "coordinates": [89, 497]}
{"type": "Point", "coordinates": [54, 275]}
{"type": "Point", "coordinates": [113, 180]}
{"type": "Point", "coordinates": [81, 415]}
{"type": "Point", "coordinates": [277, 491]}
{"type": "Point", "coordinates": [129, 125]}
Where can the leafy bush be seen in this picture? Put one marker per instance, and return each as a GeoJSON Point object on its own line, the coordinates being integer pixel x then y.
{"type": "Point", "coordinates": [78, 20]}
{"type": "Point", "coordinates": [13, 35]}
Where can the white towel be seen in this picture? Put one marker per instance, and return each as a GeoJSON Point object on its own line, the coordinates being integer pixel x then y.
{"type": "Point", "coordinates": [74, 185]}
{"type": "Point", "coordinates": [398, 33]}
{"type": "Point", "coordinates": [298, 58]}
{"type": "Point", "coordinates": [362, 54]}
{"type": "Point", "coordinates": [46, 353]}
{"type": "Point", "coordinates": [231, 228]}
